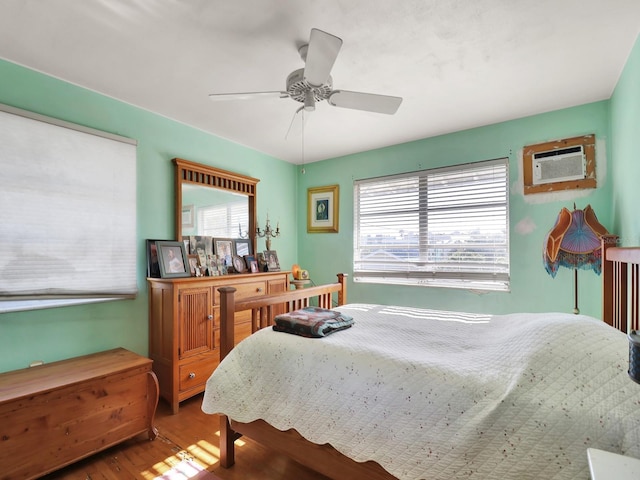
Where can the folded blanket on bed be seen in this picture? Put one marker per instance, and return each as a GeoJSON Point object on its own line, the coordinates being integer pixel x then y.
{"type": "Point", "coordinates": [313, 322]}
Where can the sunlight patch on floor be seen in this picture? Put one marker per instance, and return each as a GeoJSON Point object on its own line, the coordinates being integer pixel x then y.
{"type": "Point", "coordinates": [205, 452]}
{"type": "Point", "coordinates": [186, 464]}
{"type": "Point", "coordinates": [184, 470]}
{"type": "Point", "coordinates": [189, 463]}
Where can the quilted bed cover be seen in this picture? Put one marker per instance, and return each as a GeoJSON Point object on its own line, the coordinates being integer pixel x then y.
{"type": "Point", "coordinates": [442, 395]}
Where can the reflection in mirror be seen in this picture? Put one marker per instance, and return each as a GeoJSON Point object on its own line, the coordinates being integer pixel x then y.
{"type": "Point", "coordinates": [214, 202]}
{"type": "Point", "coordinates": [214, 213]}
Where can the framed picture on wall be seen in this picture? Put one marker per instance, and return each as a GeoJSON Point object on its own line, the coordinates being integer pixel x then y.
{"type": "Point", "coordinates": [322, 209]}
{"type": "Point", "coordinates": [172, 259]}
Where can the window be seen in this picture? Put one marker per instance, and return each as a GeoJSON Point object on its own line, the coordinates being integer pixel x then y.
{"type": "Point", "coordinates": [446, 227]}
{"type": "Point", "coordinates": [68, 216]}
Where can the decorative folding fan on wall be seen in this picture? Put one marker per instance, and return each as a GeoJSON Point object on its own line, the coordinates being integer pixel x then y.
{"type": "Point", "coordinates": [313, 83]}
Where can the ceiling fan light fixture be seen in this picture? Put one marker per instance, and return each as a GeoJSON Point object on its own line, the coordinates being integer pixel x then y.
{"type": "Point", "coordinates": [309, 101]}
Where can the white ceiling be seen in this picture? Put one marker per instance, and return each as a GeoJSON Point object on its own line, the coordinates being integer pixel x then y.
{"type": "Point", "coordinates": [458, 64]}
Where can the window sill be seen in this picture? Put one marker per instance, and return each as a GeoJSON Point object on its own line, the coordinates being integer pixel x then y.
{"type": "Point", "coordinates": [471, 285]}
{"type": "Point", "coordinates": [7, 306]}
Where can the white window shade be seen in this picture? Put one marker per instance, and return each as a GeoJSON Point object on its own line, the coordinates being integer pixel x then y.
{"type": "Point", "coordinates": [67, 210]}
{"type": "Point", "coordinates": [444, 227]}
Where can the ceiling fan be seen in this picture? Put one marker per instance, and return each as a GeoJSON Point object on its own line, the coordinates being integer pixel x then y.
{"type": "Point", "coordinates": [313, 83]}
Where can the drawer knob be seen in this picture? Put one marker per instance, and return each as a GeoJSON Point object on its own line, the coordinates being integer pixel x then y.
{"type": "Point", "coordinates": [192, 375]}
{"type": "Point", "coordinates": [209, 317]}
{"type": "Point", "coordinates": [259, 289]}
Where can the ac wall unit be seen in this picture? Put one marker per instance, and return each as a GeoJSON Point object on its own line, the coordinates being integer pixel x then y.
{"type": "Point", "coordinates": [560, 165]}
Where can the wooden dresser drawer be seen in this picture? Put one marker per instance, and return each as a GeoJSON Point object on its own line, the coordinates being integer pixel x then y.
{"type": "Point", "coordinates": [249, 289]}
{"type": "Point", "coordinates": [195, 374]}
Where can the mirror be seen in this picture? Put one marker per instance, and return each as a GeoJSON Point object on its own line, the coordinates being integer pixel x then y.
{"type": "Point", "coordinates": [214, 202]}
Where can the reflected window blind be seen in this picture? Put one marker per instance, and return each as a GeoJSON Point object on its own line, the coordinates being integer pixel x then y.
{"type": "Point", "coordinates": [226, 221]}
{"type": "Point", "coordinates": [446, 227]}
{"type": "Point", "coordinates": [67, 210]}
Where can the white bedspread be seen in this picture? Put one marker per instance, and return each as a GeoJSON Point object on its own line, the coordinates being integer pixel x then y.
{"type": "Point", "coordinates": [440, 395]}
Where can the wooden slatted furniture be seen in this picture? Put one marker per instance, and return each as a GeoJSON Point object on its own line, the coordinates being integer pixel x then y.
{"type": "Point", "coordinates": [55, 414]}
{"type": "Point", "coordinates": [184, 327]}
{"type": "Point", "coordinates": [621, 285]}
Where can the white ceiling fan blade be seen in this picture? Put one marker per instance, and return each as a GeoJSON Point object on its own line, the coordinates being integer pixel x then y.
{"type": "Point", "coordinates": [247, 95]}
{"type": "Point", "coordinates": [321, 55]}
{"type": "Point", "coordinates": [365, 101]}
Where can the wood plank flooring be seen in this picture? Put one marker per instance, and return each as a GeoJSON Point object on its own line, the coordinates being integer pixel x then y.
{"type": "Point", "coordinates": [189, 436]}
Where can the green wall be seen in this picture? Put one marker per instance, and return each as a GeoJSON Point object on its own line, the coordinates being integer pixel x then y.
{"type": "Point", "coordinates": [531, 216]}
{"type": "Point", "coordinates": [58, 333]}
{"type": "Point", "coordinates": [625, 136]}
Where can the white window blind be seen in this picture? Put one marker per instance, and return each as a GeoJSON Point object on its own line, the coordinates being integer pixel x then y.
{"type": "Point", "coordinates": [67, 212]}
{"type": "Point", "coordinates": [446, 227]}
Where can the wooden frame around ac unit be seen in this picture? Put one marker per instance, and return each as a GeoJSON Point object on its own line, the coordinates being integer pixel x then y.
{"type": "Point", "coordinates": [588, 143]}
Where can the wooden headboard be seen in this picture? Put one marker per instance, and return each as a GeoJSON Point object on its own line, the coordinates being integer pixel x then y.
{"type": "Point", "coordinates": [620, 285]}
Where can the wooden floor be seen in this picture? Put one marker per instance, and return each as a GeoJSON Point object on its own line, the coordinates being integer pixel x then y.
{"type": "Point", "coordinates": [190, 437]}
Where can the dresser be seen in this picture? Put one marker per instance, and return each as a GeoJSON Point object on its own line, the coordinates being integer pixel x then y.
{"type": "Point", "coordinates": [184, 327]}
{"type": "Point", "coordinates": [54, 414]}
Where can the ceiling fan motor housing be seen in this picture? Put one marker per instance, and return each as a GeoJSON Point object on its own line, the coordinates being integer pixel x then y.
{"type": "Point", "coordinates": [297, 87]}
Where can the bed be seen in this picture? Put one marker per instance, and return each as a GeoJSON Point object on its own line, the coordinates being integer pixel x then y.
{"type": "Point", "coordinates": [412, 393]}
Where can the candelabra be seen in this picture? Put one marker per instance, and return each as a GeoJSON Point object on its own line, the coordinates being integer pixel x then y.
{"type": "Point", "coordinates": [268, 233]}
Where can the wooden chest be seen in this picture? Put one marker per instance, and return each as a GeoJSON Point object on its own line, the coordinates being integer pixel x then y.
{"type": "Point", "coordinates": [57, 413]}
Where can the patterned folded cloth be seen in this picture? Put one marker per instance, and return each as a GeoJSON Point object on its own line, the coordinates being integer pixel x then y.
{"type": "Point", "coordinates": [312, 322]}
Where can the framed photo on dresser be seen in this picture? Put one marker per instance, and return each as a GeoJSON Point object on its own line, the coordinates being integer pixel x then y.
{"type": "Point", "coordinates": [153, 268]}
{"type": "Point", "coordinates": [242, 247]}
{"type": "Point", "coordinates": [172, 259]}
{"type": "Point", "coordinates": [223, 247]}
{"type": "Point", "coordinates": [271, 257]}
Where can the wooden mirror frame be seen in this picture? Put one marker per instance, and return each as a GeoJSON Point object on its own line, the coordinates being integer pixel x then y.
{"type": "Point", "coordinates": [188, 172]}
